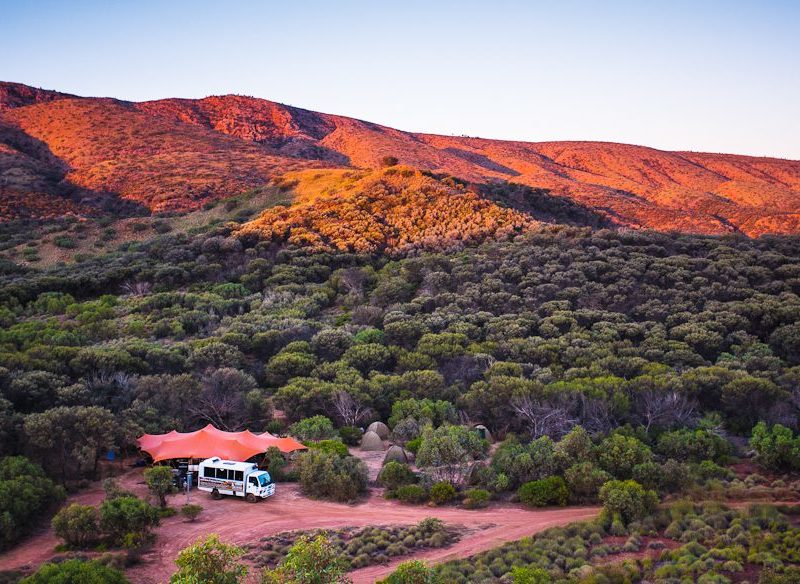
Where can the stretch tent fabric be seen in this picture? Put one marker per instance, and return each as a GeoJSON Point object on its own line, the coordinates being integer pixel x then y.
{"type": "Point", "coordinates": [210, 441]}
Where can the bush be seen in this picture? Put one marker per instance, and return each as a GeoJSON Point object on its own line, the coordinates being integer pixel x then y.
{"type": "Point", "coordinates": [191, 511]}
{"type": "Point", "coordinates": [548, 491]}
{"type": "Point", "coordinates": [777, 448]}
{"type": "Point", "coordinates": [276, 463]}
{"type": "Point", "coordinates": [389, 161]}
{"type": "Point", "coordinates": [411, 494]}
{"type": "Point", "coordinates": [25, 495]}
{"type": "Point", "coordinates": [627, 500]}
{"type": "Point", "coordinates": [209, 561]}
{"type": "Point", "coordinates": [76, 572]}
{"type": "Point", "coordinates": [412, 572]}
{"type": "Point", "coordinates": [330, 476]}
{"type": "Point", "coordinates": [313, 429]}
{"type": "Point", "coordinates": [395, 474]}
{"type": "Point", "coordinates": [442, 492]}
{"type": "Point", "coordinates": [77, 525]}
{"type": "Point", "coordinates": [476, 499]}
{"type": "Point", "coordinates": [330, 446]}
{"type": "Point", "coordinates": [619, 454]}
{"type": "Point", "coordinates": [127, 520]}
{"type": "Point", "coordinates": [350, 435]}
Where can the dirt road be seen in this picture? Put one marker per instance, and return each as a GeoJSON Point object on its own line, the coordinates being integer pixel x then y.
{"type": "Point", "coordinates": [239, 522]}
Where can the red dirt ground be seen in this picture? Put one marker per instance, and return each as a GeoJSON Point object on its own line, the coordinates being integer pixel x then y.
{"type": "Point", "coordinates": [239, 522]}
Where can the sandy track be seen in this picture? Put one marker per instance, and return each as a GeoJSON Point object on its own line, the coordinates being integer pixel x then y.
{"type": "Point", "coordinates": [239, 522]}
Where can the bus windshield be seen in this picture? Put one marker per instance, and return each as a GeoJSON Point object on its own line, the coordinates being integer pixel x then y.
{"type": "Point", "coordinates": [263, 480]}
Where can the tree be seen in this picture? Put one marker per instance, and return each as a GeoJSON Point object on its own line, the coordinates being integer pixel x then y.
{"type": "Point", "coordinates": [543, 417]}
{"type": "Point", "coordinates": [76, 572]}
{"type": "Point", "coordinates": [447, 452]}
{"type": "Point", "coordinates": [159, 482]}
{"type": "Point", "coordinates": [618, 454]}
{"type": "Point", "coordinates": [627, 500]}
{"type": "Point", "coordinates": [225, 400]}
{"type": "Point", "coordinates": [350, 409]}
{"type": "Point", "coordinates": [71, 437]}
{"type": "Point", "coordinates": [26, 494]}
{"type": "Point", "coordinates": [309, 561]}
{"type": "Point", "coordinates": [127, 520]}
{"type": "Point", "coordinates": [77, 525]}
{"type": "Point", "coordinates": [327, 475]}
{"type": "Point", "coordinates": [313, 429]}
{"type": "Point", "coordinates": [412, 572]}
{"type": "Point", "coordinates": [209, 561]}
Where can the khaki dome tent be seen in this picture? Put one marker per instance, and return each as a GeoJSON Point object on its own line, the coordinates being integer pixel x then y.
{"type": "Point", "coordinates": [396, 454]}
{"type": "Point", "coordinates": [371, 441]}
{"type": "Point", "coordinates": [380, 429]}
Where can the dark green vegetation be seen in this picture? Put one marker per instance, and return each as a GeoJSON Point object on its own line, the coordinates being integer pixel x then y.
{"type": "Point", "coordinates": [637, 361]}
{"type": "Point", "coordinates": [683, 543]}
{"type": "Point", "coordinates": [26, 494]}
{"type": "Point", "coordinates": [359, 547]}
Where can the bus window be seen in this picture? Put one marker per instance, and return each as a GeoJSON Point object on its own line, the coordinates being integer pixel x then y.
{"type": "Point", "coordinates": [222, 473]}
{"type": "Point", "coordinates": [238, 475]}
{"type": "Point", "coordinates": [254, 481]}
{"type": "Point", "coordinates": [208, 472]}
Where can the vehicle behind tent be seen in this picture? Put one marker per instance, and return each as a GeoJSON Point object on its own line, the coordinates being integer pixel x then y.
{"type": "Point", "coordinates": [229, 477]}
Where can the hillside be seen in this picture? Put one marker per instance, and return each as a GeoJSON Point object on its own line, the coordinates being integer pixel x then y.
{"type": "Point", "coordinates": [175, 154]}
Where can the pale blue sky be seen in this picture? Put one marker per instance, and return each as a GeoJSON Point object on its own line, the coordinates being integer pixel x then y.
{"type": "Point", "coordinates": [720, 76]}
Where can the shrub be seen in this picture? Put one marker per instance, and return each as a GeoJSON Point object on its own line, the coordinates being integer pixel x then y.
{"type": "Point", "coordinates": [211, 562]}
{"type": "Point", "coordinates": [412, 572]}
{"type": "Point", "coordinates": [64, 241]}
{"type": "Point", "coordinates": [330, 476]}
{"type": "Point", "coordinates": [76, 572]}
{"type": "Point", "coordinates": [310, 561]}
{"type": "Point", "coordinates": [627, 500]}
{"type": "Point", "coordinates": [276, 463]}
{"type": "Point", "coordinates": [389, 161]}
{"type": "Point", "coordinates": [411, 494]}
{"type": "Point", "coordinates": [414, 444]}
{"type": "Point", "coordinates": [548, 491]}
{"type": "Point", "coordinates": [25, 495]}
{"type": "Point", "coordinates": [77, 525]}
{"type": "Point", "coordinates": [191, 511]}
{"type": "Point", "coordinates": [313, 429]}
{"type": "Point", "coordinates": [476, 498]}
{"type": "Point", "coordinates": [350, 435]}
{"type": "Point", "coordinates": [618, 454]}
{"type": "Point", "coordinates": [395, 474]}
{"type": "Point", "coordinates": [159, 482]}
{"type": "Point", "coordinates": [127, 519]}
{"type": "Point", "coordinates": [442, 492]}
{"type": "Point", "coordinates": [584, 481]}
{"type": "Point", "coordinates": [330, 446]}
{"type": "Point", "coordinates": [777, 448]}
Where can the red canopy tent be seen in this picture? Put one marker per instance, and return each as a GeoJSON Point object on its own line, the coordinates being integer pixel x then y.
{"type": "Point", "coordinates": [210, 441]}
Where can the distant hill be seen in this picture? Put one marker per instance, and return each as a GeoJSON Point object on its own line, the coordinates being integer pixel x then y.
{"type": "Point", "coordinates": [176, 154]}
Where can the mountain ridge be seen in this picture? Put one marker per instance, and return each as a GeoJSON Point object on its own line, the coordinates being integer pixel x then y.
{"type": "Point", "coordinates": [219, 146]}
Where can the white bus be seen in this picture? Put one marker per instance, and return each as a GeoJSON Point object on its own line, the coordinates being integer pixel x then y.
{"type": "Point", "coordinates": [228, 477]}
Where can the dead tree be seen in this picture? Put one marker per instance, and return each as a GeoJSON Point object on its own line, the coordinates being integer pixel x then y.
{"type": "Point", "coordinates": [663, 408]}
{"type": "Point", "coordinates": [350, 409]}
{"type": "Point", "coordinates": [544, 417]}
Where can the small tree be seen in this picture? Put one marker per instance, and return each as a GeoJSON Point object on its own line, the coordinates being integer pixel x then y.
{"type": "Point", "coordinates": [412, 572]}
{"type": "Point", "coordinates": [313, 429]}
{"type": "Point", "coordinates": [389, 161]}
{"type": "Point", "coordinates": [627, 500]}
{"type": "Point", "coordinates": [309, 561]}
{"type": "Point", "coordinates": [127, 520]}
{"type": "Point", "coordinates": [330, 476]}
{"type": "Point", "coordinates": [159, 481]}
{"type": "Point", "coordinates": [77, 525]}
{"type": "Point", "coordinates": [210, 561]}
{"type": "Point", "coordinates": [547, 491]}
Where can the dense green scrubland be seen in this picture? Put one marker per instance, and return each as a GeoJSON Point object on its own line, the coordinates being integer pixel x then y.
{"type": "Point", "coordinates": [613, 366]}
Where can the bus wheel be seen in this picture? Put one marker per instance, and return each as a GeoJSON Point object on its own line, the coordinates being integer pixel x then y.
{"type": "Point", "coordinates": [215, 494]}
{"type": "Point", "coordinates": [250, 498]}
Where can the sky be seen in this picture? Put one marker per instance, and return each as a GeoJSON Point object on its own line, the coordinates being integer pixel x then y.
{"type": "Point", "coordinates": [716, 76]}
